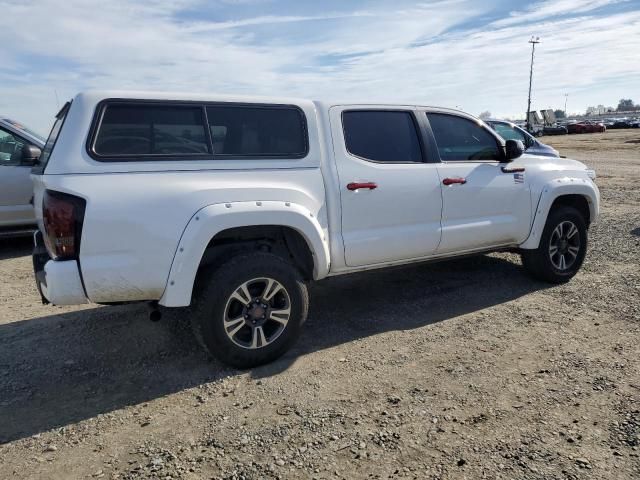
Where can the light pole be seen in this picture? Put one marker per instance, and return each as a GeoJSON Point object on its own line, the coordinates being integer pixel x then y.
{"type": "Point", "coordinates": [566, 95]}
{"type": "Point", "coordinates": [533, 41]}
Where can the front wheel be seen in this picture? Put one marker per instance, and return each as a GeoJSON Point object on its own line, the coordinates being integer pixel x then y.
{"type": "Point", "coordinates": [249, 311]}
{"type": "Point", "coordinates": [562, 248]}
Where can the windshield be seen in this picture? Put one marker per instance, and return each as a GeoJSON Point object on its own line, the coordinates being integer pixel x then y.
{"type": "Point", "coordinates": [22, 128]}
{"type": "Point", "coordinates": [51, 141]}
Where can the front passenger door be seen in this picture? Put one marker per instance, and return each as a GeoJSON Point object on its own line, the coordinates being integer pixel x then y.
{"type": "Point", "coordinates": [485, 202]}
{"type": "Point", "coordinates": [16, 188]}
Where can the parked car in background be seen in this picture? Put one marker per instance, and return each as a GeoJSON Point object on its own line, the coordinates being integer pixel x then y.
{"type": "Point", "coordinates": [510, 131]}
{"type": "Point", "coordinates": [622, 123]}
{"type": "Point", "coordinates": [270, 194]}
{"type": "Point", "coordinates": [20, 149]}
{"type": "Point", "coordinates": [556, 129]}
{"type": "Point", "coordinates": [586, 126]}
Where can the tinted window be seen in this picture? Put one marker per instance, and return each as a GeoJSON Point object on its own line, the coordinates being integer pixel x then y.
{"type": "Point", "coordinates": [383, 136]}
{"type": "Point", "coordinates": [462, 139]}
{"type": "Point", "coordinates": [257, 131]}
{"type": "Point", "coordinates": [128, 129]}
{"type": "Point", "coordinates": [51, 140]}
{"type": "Point", "coordinates": [10, 148]}
{"type": "Point", "coordinates": [508, 132]}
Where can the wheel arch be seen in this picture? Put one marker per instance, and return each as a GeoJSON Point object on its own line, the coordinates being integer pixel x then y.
{"type": "Point", "coordinates": [218, 231]}
{"type": "Point", "coordinates": [578, 193]}
{"type": "Point", "coordinates": [282, 240]}
{"type": "Point", "coordinates": [574, 200]}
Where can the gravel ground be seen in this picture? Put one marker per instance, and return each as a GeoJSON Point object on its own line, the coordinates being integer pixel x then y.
{"type": "Point", "coordinates": [462, 369]}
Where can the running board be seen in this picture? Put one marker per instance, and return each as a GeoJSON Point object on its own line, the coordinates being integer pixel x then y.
{"type": "Point", "coordinates": [17, 232]}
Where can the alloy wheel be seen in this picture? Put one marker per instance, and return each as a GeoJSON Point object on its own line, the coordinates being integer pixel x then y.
{"type": "Point", "coordinates": [257, 312]}
{"type": "Point", "coordinates": [564, 245]}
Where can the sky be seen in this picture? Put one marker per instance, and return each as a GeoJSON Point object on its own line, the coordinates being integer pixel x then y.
{"type": "Point", "coordinates": [467, 54]}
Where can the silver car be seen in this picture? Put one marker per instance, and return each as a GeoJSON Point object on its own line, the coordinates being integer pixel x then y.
{"type": "Point", "coordinates": [20, 149]}
{"type": "Point", "coordinates": [510, 131]}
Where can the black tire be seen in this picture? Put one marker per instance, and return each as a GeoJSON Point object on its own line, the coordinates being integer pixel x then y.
{"type": "Point", "coordinates": [215, 298]}
{"type": "Point", "coordinates": [541, 264]}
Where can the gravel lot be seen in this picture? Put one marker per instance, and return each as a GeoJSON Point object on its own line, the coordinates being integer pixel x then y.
{"type": "Point", "coordinates": [463, 369]}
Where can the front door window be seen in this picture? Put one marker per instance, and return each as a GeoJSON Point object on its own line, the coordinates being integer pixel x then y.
{"type": "Point", "coordinates": [10, 148]}
{"type": "Point", "coordinates": [509, 132]}
{"type": "Point", "coordinates": [460, 139]}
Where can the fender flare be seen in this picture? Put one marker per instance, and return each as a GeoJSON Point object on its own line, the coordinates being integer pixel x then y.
{"type": "Point", "coordinates": [550, 192]}
{"type": "Point", "coordinates": [207, 222]}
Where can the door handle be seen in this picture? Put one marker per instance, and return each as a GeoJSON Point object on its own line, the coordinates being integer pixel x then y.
{"type": "Point", "coordinates": [512, 170]}
{"type": "Point", "coordinates": [357, 185]}
{"type": "Point", "coordinates": [451, 181]}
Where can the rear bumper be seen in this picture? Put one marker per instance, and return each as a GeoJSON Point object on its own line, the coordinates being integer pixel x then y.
{"type": "Point", "coordinates": [62, 284]}
{"type": "Point", "coordinates": [58, 282]}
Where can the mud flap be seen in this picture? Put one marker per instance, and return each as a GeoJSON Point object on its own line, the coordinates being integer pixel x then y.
{"type": "Point", "coordinates": [40, 257]}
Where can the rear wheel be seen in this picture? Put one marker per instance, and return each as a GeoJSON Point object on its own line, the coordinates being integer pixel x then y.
{"type": "Point", "coordinates": [249, 311]}
{"type": "Point", "coordinates": [562, 248]}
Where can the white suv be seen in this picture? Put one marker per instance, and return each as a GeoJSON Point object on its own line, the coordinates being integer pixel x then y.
{"type": "Point", "coordinates": [231, 205]}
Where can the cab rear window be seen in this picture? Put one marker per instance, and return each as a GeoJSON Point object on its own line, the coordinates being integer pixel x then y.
{"type": "Point", "coordinates": [147, 130]}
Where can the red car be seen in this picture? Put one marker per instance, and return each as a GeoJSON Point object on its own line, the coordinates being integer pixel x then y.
{"type": "Point", "coordinates": [586, 127]}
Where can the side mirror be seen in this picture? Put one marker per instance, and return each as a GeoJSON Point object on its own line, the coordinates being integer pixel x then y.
{"type": "Point", "coordinates": [513, 149]}
{"type": "Point", "coordinates": [30, 155]}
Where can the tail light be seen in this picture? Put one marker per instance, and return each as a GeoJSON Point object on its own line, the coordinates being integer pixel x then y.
{"type": "Point", "coordinates": [62, 215]}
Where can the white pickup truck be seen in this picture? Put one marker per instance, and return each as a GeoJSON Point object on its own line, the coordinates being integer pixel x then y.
{"type": "Point", "coordinates": [231, 205]}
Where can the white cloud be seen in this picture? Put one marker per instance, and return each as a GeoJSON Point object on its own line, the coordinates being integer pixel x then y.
{"type": "Point", "coordinates": [381, 52]}
{"type": "Point", "coordinates": [554, 8]}
{"type": "Point", "coordinates": [267, 20]}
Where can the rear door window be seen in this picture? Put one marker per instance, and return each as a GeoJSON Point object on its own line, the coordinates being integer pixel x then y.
{"type": "Point", "coordinates": [130, 130]}
{"type": "Point", "coordinates": [382, 135]}
{"type": "Point", "coordinates": [257, 131]}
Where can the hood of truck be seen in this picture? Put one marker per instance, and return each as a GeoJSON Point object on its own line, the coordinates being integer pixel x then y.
{"type": "Point", "coordinates": [546, 163]}
{"type": "Point", "coordinates": [543, 150]}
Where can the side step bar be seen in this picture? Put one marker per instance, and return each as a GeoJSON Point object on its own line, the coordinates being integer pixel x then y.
{"type": "Point", "coordinates": [18, 232]}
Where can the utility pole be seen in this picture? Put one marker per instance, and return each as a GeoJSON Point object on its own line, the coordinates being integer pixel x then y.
{"type": "Point", "coordinates": [533, 41]}
{"type": "Point", "coordinates": [566, 95]}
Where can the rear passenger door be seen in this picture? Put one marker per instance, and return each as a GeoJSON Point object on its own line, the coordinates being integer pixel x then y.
{"type": "Point", "coordinates": [390, 193]}
{"type": "Point", "coordinates": [486, 201]}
